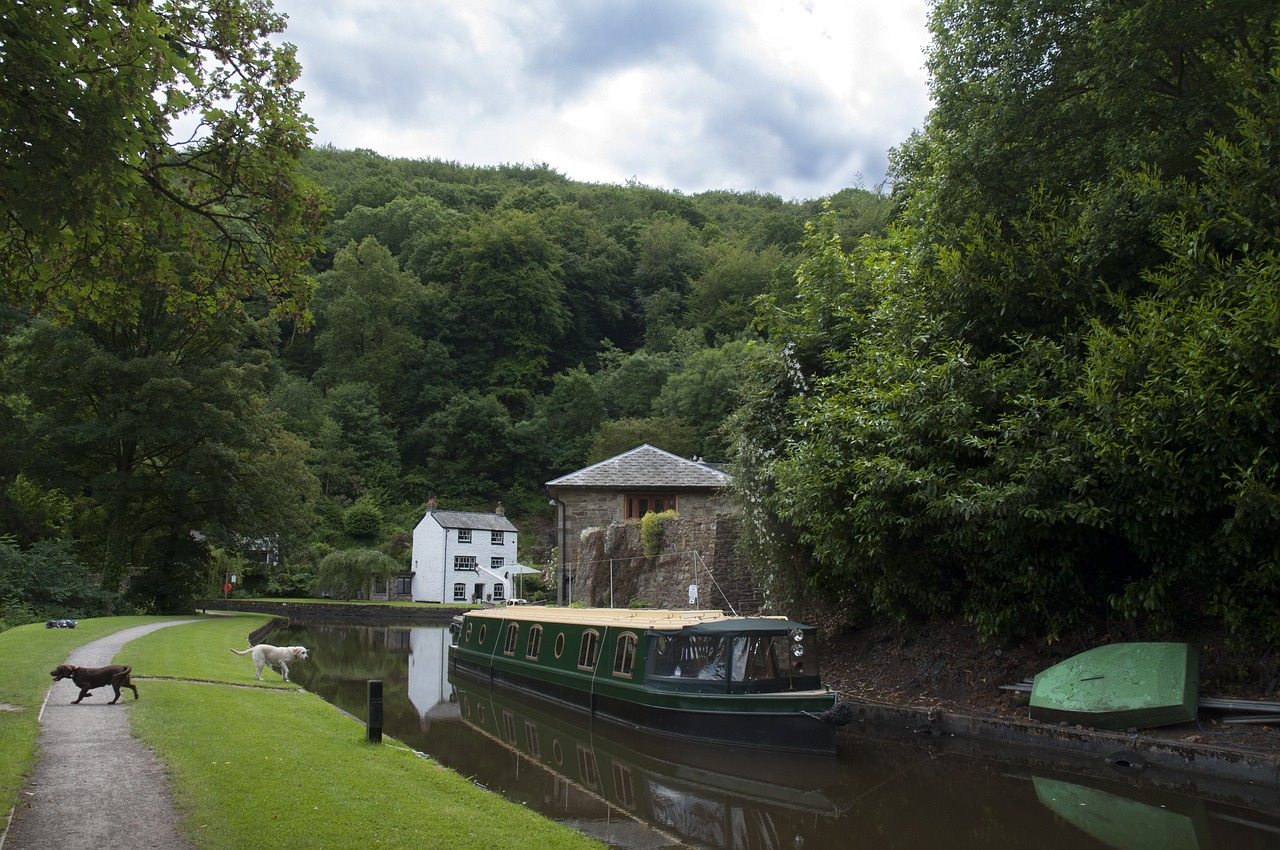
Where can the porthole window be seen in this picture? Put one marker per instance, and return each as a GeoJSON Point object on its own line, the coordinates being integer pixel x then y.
{"type": "Point", "coordinates": [483, 629]}
{"type": "Point", "coordinates": [559, 644]}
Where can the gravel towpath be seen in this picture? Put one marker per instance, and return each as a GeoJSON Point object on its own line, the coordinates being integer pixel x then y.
{"type": "Point", "coordinates": [94, 785]}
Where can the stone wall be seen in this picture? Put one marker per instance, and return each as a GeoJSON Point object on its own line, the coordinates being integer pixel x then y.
{"type": "Point", "coordinates": [334, 612]}
{"type": "Point", "coordinates": [588, 509]}
{"type": "Point", "coordinates": [612, 566]}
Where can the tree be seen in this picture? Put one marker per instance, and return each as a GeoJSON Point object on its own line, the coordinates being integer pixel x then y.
{"type": "Point", "coordinates": [498, 299]}
{"type": "Point", "coordinates": [1183, 390]}
{"type": "Point", "coordinates": [926, 434]}
{"type": "Point", "coordinates": [152, 146]}
{"type": "Point", "coordinates": [158, 434]}
{"type": "Point", "coordinates": [622, 435]}
{"type": "Point", "coordinates": [705, 391]}
{"type": "Point", "coordinates": [351, 573]}
{"type": "Point", "coordinates": [366, 309]}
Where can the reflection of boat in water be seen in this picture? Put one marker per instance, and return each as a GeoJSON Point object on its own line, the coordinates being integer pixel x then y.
{"type": "Point", "coordinates": [709, 794]}
{"type": "Point", "coordinates": [694, 675]}
{"type": "Point", "coordinates": [1124, 822]}
{"type": "Point", "coordinates": [1121, 686]}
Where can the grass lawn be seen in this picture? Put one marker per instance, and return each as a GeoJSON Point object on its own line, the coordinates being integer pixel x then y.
{"type": "Point", "coordinates": [268, 765]}
{"type": "Point", "coordinates": [27, 654]}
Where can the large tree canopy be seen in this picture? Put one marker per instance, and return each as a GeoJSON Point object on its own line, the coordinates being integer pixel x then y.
{"type": "Point", "coordinates": [151, 146]}
{"type": "Point", "coordinates": [153, 224]}
{"type": "Point", "coordinates": [1048, 393]}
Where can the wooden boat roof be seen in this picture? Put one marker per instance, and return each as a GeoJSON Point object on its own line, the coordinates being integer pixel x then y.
{"type": "Point", "coordinates": [655, 619]}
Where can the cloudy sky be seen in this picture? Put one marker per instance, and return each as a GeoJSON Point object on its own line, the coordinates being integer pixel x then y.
{"type": "Point", "coordinates": [800, 98]}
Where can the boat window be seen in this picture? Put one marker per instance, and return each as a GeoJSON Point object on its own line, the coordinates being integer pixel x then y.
{"type": "Point", "coordinates": [587, 770]}
{"type": "Point", "coordinates": [588, 649]}
{"type": "Point", "coordinates": [771, 662]}
{"type": "Point", "coordinates": [467, 636]}
{"type": "Point", "coordinates": [689, 657]}
{"type": "Point", "coordinates": [483, 629]}
{"type": "Point", "coordinates": [623, 786]}
{"type": "Point", "coordinates": [513, 637]}
{"type": "Point", "coordinates": [534, 646]}
{"type": "Point", "coordinates": [532, 742]}
{"type": "Point", "coordinates": [559, 644]}
{"type": "Point", "coordinates": [624, 659]}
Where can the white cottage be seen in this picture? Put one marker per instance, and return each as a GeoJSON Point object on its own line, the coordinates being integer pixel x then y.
{"type": "Point", "coordinates": [461, 556]}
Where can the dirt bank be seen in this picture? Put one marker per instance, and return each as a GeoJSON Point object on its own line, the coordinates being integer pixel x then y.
{"type": "Point", "coordinates": [943, 682]}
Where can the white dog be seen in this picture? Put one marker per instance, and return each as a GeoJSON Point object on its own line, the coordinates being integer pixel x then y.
{"type": "Point", "coordinates": [277, 656]}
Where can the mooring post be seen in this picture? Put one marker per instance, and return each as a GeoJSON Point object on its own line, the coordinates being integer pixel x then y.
{"type": "Point", "coordinates": [375, 711]}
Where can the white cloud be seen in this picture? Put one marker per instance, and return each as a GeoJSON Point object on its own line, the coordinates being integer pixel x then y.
{"type": "Point", "coordinates": [794, 97]}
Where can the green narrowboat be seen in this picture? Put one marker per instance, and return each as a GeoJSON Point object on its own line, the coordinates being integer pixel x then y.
{"type": "Point", "coordinates": [696, 675]}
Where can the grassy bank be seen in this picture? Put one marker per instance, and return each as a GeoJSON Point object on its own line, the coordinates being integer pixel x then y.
{"type": "Point", "coordinates": [27, 654]}
{"type": "Point", "coordinates": [264, 764]}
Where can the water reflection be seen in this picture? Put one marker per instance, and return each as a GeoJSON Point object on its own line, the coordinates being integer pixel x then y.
{"type": "Point", "coordinates": [638, 792]}
{"type": "Point", "coordinates": [1125, 821]}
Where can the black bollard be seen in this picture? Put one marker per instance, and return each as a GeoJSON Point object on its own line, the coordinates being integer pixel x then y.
{"type": "Point", "coordinates": [375, 711]}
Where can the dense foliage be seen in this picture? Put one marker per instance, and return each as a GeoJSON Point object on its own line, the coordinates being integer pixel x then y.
{"type": "Point", "coordinates": [1036, 384]}
{"type": "Point", "coordinates": [1048, 395]}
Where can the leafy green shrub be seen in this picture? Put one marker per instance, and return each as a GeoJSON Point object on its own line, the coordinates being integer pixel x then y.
{"type": "Point", "coordinates": [651, 532]}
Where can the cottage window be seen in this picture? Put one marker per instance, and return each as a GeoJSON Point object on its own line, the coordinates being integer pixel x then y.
{"type": "Point", "coordinates": [464, 563]}
{"type": "Point", "coordinates": [464, 535]}
{"type": "Point", "coordinates": [497, 538]}
{"type": "Point", "coordinates": [624, 659]}
{"type": "Point", "coordinates": [534, 646]}
{"type": "Point", "coordinates": [459, 592]}
{"type": "Point", "coordinates": [513, 637]}
{"type": "Point", "coordinates": [404, 585]}
{"type": "Point", "coordinates": [497, 563]}
{"type": "Point", "coordinates": [640, 504]}
{"type": "Point", "coordinates": [499, 592]}
{"type": "Point", "coordinates": [588, 649]}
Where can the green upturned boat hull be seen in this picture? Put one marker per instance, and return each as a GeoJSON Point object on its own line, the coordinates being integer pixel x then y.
{"type": "Point", "coordinates": [1121, 686]}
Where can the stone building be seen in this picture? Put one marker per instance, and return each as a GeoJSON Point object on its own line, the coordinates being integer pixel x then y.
{"type": "Point", "coordinates": [623, 488]}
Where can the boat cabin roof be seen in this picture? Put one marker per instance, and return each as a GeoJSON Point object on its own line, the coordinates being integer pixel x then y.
{"type": "Point", "coordinates": [653, 619]}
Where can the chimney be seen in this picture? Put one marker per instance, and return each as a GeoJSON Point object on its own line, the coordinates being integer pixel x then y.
{"type": "Point", "coordinates": [499, 511]}
{"type": "Point", "coordinates": [431, 504]}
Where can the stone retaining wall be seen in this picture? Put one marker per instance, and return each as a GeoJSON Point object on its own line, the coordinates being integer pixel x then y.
{"type": "Point", "coordinates": [613, 570]}
{"type": "Point", "coordinates": [333, 612]}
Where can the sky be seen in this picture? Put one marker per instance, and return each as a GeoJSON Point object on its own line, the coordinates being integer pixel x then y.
{"type": "Point", "coordinates": [798, 98]}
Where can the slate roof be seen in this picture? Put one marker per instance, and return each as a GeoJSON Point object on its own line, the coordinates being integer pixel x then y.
{"type": "Point", "coordinates": [646, 467]}
{"type": "Point", "coordinates": [472, 520]}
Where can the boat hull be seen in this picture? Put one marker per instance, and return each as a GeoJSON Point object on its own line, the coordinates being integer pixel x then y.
{"type": "Point", "coordinates": [1120, 686]}
{"type": "Point", "coordinates": [791, 730]}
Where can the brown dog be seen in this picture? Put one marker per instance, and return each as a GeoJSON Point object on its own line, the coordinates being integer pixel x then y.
{"type": "Point", "coordinates": [88, 678]}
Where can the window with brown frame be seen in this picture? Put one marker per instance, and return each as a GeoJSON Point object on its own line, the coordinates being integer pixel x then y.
{"type": "Point", "coordinates": [639, 504]}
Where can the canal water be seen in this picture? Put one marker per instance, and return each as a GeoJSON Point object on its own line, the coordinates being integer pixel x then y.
{"type": "Point", "coordinates": [641, 793]}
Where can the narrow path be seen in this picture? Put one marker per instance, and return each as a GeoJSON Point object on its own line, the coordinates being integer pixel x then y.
{"type": "Point", "coordinates": [94, 785]}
